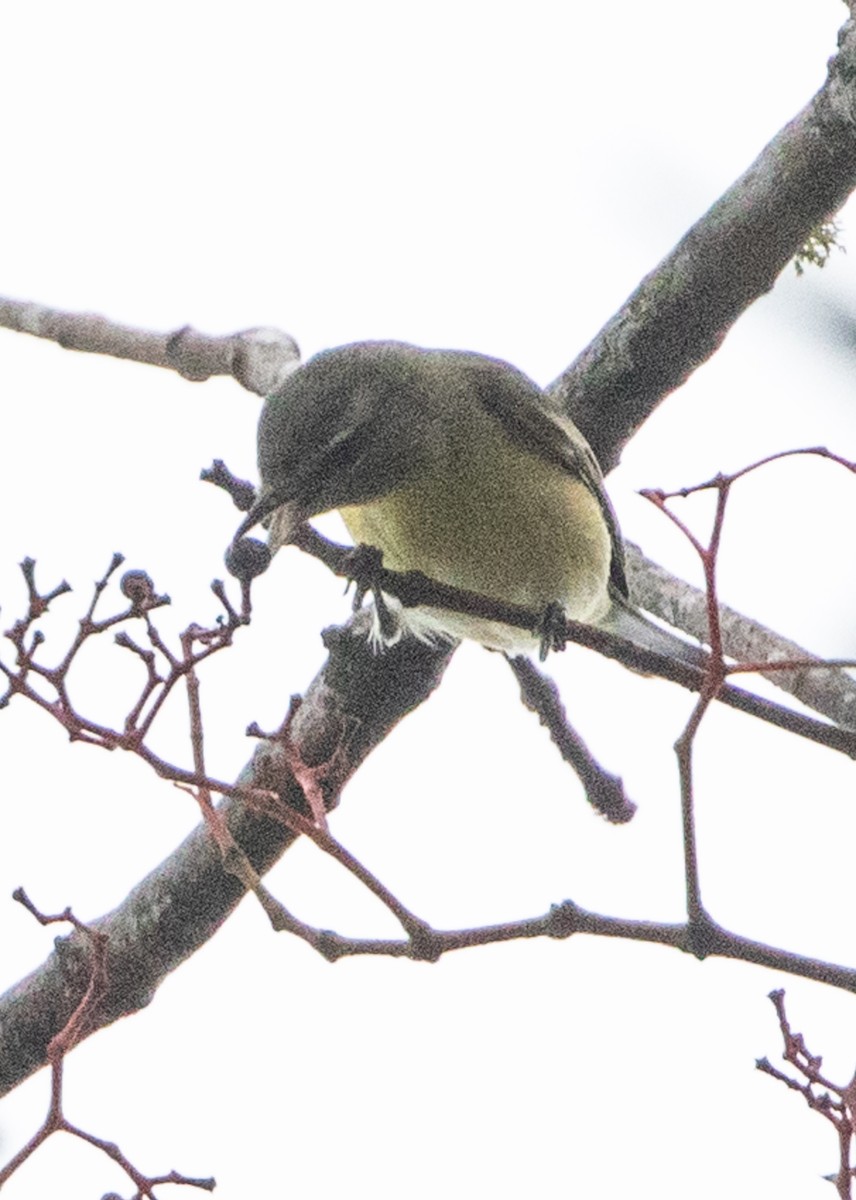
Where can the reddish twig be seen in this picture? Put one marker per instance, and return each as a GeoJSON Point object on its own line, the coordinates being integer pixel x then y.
{"type": "Point", "coordinates": [833, 1101]}
{"type": "Point", "coordinates": [716, 672]}
{"type": "Point", "coordinates": [75, 1029]}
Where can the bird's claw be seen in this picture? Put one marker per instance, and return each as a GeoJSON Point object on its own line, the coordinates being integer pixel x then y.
{"type": "Point", "coordinates": [550, 629]}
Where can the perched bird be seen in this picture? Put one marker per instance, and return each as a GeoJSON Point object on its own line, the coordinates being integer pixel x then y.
{"type": "Point", "coordinates": [456, 465]}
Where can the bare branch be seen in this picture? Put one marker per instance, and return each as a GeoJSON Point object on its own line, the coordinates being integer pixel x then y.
{"type": "Point", "coordinates": [678, 316]}
{"type": "Point", "coordinates": [658, 591]}
{"type": "Point", "coordinates": [751, 644]}
{"type": "Point", "coordinates": [75, 1029]}
{"type": "Point", "coordinates": [259, 359]}
{"type": "Point", "coordinates": [604, 791]}
{"type": "Point", "coordinates": [834, 1102]}
{"type": "Point", "coordinates": [357, 697]}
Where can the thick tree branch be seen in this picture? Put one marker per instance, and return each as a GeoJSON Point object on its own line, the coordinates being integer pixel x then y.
{"type": "Point", "coordinates": [830, 692]}
{"type": "Point", "coordinates": [681, 312]}
{"type": "Point", "coordinates": [351, 705]}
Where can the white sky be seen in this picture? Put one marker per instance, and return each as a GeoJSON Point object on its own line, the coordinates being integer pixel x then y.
{"type": "Point", "coordinates": [497, 177]}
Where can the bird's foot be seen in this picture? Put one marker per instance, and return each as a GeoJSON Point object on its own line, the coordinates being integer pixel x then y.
{"type": "Point", "coordinates": [550, 630]}
{"type": "Point", "coordinates": [364, 565]}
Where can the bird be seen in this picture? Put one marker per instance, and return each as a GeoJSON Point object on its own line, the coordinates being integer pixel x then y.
{"type": "Point", "coordinates": [457, 465]}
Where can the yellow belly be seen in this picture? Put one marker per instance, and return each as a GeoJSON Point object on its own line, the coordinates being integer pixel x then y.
{"type": "Point", "coordinates": [499, 521]}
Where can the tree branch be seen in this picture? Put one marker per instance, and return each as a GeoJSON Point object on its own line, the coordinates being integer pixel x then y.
{"type": "Point", "coordinates": [680, 313]}
{"type": "Point", "coordinates": [259, 359]}
{"type": "Point", "coordinates": [354, 702]}
{"type": "Point", "coordinates": [830, 692]}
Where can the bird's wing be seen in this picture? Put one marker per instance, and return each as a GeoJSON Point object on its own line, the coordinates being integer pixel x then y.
{"type": "Point", "coordinates": [524, 413]}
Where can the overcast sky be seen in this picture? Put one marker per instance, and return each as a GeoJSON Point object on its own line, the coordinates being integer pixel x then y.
{"type": "Point", "coordinates": [493, 176]}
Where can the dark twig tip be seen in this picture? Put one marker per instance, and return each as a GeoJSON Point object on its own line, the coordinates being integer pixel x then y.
{"type": "Point", "coordinates": [241, 491]}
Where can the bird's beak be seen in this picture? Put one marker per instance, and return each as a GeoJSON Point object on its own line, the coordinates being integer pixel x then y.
{"type": "Point", "coordinates": [285, 518]}
{"type": "Point", "coordinates": [266, 502]}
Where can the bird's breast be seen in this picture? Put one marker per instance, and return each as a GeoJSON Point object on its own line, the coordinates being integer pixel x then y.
{"type": "Point", "coordinates": [499, 520]}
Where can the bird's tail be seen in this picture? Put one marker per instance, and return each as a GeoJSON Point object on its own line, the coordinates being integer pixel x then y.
{"type": "Point", "coordinates": [628, 622]}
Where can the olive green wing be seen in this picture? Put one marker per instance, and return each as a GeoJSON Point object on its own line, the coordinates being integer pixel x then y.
{"type": "Point", "coordinates": [524, 411]}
